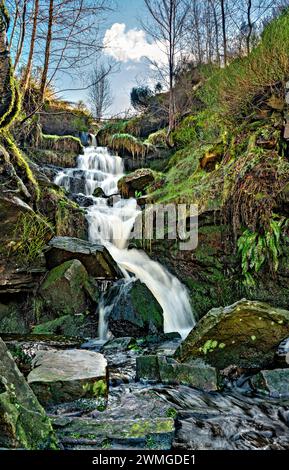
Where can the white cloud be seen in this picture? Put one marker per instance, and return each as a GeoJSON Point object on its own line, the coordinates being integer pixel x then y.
{"type": "Point", "coordinates": [131, 45]}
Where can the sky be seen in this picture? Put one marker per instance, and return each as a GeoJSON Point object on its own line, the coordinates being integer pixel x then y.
{"type": "Point", "coordinates": [128, 47]}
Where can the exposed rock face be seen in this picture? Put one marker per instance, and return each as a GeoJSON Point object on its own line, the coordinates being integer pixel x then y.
{"type": "Point", "coordinates": [63, 376]}
{"type": "Point", "coordinates": [135, 311]}
{"type": "Point", "coordinates": [96, 258]}
{"type": "Point", "coordinates": [166, 370]}
{"type": "Point", "coordinates": [246, 334]}
{"type": "Point", "coordinates": [274, 383]}
{"type": "Point", "coordinates": [58, 159]}
{"type": "Point", "coordinates": [65, 149]}
{"type": "Point", "coordinates": [23, 422]}
{"type": "Point", "coordinates": [135, 182]}
{"type": "Point", "coordinates": [79, 326]}
{"type": "Point", "coordinates": [67, 289]}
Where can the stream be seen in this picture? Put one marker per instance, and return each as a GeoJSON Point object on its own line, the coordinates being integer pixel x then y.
{"type": "Point", "coordinates": [233, 419]}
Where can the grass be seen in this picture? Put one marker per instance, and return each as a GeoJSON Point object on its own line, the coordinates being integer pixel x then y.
{"type": "Point", "coordinates": [32, 232]}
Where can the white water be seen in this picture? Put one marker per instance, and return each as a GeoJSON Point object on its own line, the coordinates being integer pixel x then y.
{"type": "Point", "coordinates": [112, 225]}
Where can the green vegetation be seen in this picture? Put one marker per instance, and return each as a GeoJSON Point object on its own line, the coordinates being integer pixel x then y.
{"type": "Point", "coordinates": [32, 232]}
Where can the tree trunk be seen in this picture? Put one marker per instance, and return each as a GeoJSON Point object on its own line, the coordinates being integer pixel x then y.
{"type": "Point", "coordinates": [22, 35]}
{"type": "Point", "coordinates": [224, 32]}
{"type": "Point", "coordinates": [47, 52]}
{"type": "Point", "coordinates": [16, 16]}
{"type": "Point", "coordinates": [250, 26]}
{"type": "Point", "coordinates": [27, 74]}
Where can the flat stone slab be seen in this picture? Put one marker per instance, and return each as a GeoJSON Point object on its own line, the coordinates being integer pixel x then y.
{"type": "Point", "coordinates": [95, 257]}
{"type": "Point", "coordinates": [60, 376]}
{"type": "Point", "coordinates": [77, 433]}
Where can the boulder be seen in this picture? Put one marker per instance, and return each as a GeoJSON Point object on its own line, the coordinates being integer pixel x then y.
{"type": "Point", "coordinates": [166, 370]}
{"type": "Point", "coordinates": [134, 310]}
{"type": "Point", "coordinates": [23, 422]}
{"type": "Point", "coordinates": [274, 383]}
{"type": "Point", "coordinates": [139, 433]}
{"type": "Point", "coordinates": [96, 258]}
{"type": "Point", "coordinates": [67, 289]}
{"type": "Point", "coordinates": [245, 334]}
{"type": "Point", "coordinates": [63, 376]}
{"type": "Point", "coordinates": [136, 182]}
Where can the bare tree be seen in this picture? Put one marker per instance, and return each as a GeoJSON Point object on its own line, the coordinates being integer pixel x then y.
{"type": "Point", "coordinates": [100, 94]}
{"type": "Point", "coordinates": [22, 33]}
{"type": "Point", "coordinates": [167, 19]}
{"type": "Point", "coordinates": [224, 32]}
{"type": "Point", "coordinates": [47, 51]}
{"type": "Point", "coordinates": [28, 69]}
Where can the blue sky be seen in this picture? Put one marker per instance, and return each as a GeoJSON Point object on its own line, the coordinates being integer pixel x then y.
{"type": "Point", "coordinates": [128, 46]}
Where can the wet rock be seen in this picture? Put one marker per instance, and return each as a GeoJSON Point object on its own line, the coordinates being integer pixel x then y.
{"type": "Point", "coordinates": [67, 289]}
{"type": "Point", "coordinates": [56, 158]}
{"type": "Point", "coordinates": [83, 201]}
{"type": "Point", "coordinates": [60, 376]}
{"type": "Point", "coordinates": [245, 334]}
{"type": "Point", "coordinates": [147, 368]}
{"type": "Point", "coordinates": [119, 344]}
{"type": "Point", "coordinates": [166, 370]}
{"type": "Point", "coordinates": [23, 422]}
{"type": "Point", "coordinates": [134, 310]}
{"type": "Point", "coordinates": [136, 182]}
{"type": "Point", "coordinates": [274, 382]}
{"type": "Point", "coordinates": [98, 192]}
{"type": "Point", "coordinates": [96, 258]}
{"type": "Point", "coordinates": [81, 433]}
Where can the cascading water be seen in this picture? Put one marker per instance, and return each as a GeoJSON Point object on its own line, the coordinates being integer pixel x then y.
{"type": "Point", "coordinates": [112, 225]}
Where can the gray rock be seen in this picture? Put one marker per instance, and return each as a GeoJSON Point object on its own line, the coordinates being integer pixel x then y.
{"type": "Point", "coordinates": [60, 376]}
{"type": "Point", "coordinates": [166, 370]}
{"type": "Point", "coordinates": [23, 422]}
{"type": "Point", "coordinates": [96, 258]}
{"type": "Point", "coordinates": [274, 382]}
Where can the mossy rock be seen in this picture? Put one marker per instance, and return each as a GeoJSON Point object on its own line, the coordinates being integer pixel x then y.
{"type": "Point", "coordinates": [23, 422]}
{"type": "Point", "coordinates": [274, 383]}
{"type": "Point", "coordinates": [135, 182]}
{"type": "Point", "coordinates": [135, 311]}
{"type": "Point", "coordinates": [78, 326]}
{"type": "Point", "coordinates": [67, 289]}
{"type": "Point", "coordinates": [245, 334]}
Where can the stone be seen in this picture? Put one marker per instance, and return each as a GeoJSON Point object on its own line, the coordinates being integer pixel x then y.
{"type": "Point", "coordinates": [274, 383]}
{"type": "Point", "coordinates": [166, 370]}
{"type": "Point", "coordinates": [23, 422]}
{"type": "Point", "coordinates": [98, 192]}
{"type": "Point", "coordinates": [134, 310]}
{"type": "Point", "coordinates": [61, 376]}
{"type": "Point", "coordinates": [96, 258]}
{"type": "Point", "coordinates": [147, 368]}
{"type": "Point", "coordinates": [67, 289]}
{"type": "Point", "coordinates": [119, 344]}
{"type": "Point", "coordinates": [73, 326]}
{"type": "Point", "coordinates": [83, 433]}
{"type": "Point", "coordinates": [245, 334]}
{"type": "Point", "coordinates": [136, 182]}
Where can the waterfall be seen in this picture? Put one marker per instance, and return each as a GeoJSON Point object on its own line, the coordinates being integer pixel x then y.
{"type": "Point", "coordinates": [112, 225]}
